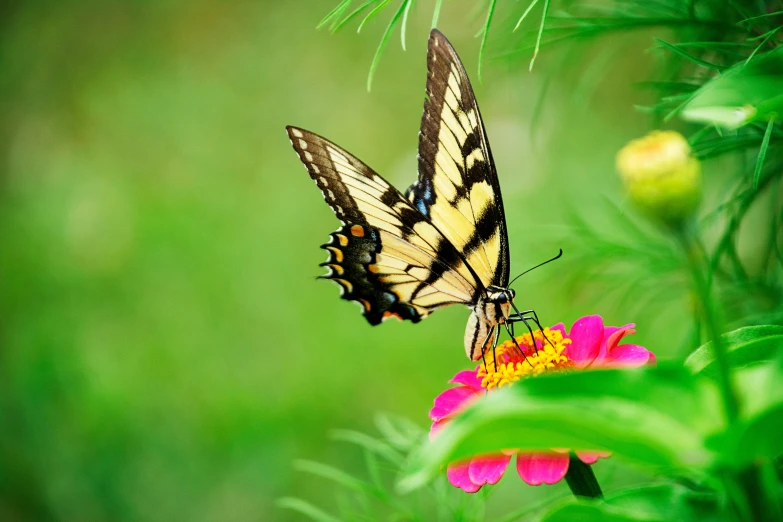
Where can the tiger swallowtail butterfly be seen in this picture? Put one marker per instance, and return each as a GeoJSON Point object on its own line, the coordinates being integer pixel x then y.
{"type": "Point", "coordinates": [444, 241]}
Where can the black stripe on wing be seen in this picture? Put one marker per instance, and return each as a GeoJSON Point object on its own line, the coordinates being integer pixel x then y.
{"type": "Point", "coordinates": [386, 256]}
{"type": "Point", "coordinates": [458, 188]}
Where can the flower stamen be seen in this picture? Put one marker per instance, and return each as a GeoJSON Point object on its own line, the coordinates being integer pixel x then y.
{"type": "Point", "coordinates": [525, 356]}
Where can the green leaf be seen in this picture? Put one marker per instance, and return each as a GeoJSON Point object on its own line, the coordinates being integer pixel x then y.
{"type": "Point", "coordinates": [384, 39]}
{"type": "Point", "coordinates": [749, 345]}
{"type": "Point", "coordinates": [677, 49]}
{"type": "Point", "coordinates": [743, 94]}
{"type": "Point", "coordinates": [306, 509]}
{"type": "Point", "coordinates": [524, 15]}
{"type": "Point", "coordinates": [763, 152]}
{"type": "Point", "coordinates": [356, 12]}
{"type": "Point", "coordinates": [371, 15]}
{"type": "Point", "coordinates": [404, 25]}
{"type": "Point", "coordinates": [331, 473]}
{"type": "Point", "coordinates": [540, 34]}
{"type": "Point", "coordinates": [756, 438]}
{"type": "Point", "coordinates": [588, 511]}
{"type": "Point", "coordinates": [660, 503]}
{"type": "Point", "coordinates": [378, 447]}
{"type": "Point", "coordinates": [436, 13]}
{"type": "Point", "coordinates": [484, 36]}
{"type": "Point", "coordinates": [333, 15]}
{"type": "Point", "coordinates": [655, 417]}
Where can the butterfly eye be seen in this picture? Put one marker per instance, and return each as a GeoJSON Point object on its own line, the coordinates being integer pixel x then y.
{"type": "Point", "coordinates": [502, 298]}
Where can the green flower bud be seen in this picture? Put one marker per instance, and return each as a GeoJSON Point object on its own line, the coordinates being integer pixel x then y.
{"type": "Point", "coordinates": [661, 176]}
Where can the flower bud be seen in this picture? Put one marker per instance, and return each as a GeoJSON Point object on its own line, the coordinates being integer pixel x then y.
{"type": "Point", "coordinates": [661, 176]}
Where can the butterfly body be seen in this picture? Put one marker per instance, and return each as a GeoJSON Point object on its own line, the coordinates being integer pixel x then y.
{"type": "Point", "coordinates": [444, 242]}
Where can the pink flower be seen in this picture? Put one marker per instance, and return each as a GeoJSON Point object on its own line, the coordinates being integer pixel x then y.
{"type": "Point", "coordinates": [589, 343]}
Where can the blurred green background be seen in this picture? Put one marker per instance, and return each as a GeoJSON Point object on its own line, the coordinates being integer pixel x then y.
{"type": "Point", "coordinates": [166, 352]}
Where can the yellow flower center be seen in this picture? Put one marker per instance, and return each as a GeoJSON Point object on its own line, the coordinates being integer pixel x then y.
{"type": "Point", "coordinates": [513, 364]}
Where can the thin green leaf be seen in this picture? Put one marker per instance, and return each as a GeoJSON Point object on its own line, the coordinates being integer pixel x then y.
{"type": "Point", "coordinates": [748, 345]}
{"type": "Point", "coordinates": [524, 15]}
{"type": "Point", "coordinates": [399, 432]}
{"type": "Point", "coordinates": [484, 36]}
{"type": "Point", "coordinates": [331, 473]}
{"type": "Point", "coordinates": [408, 4]}
{"type": "Point", "coordinates": [306, 509]}
{"type": "Point", "coordinates": [384, 40]}
{"type": "Point", "coordinates": [776, 13]}
{"type": "Point", "coordinates": [679, 52]}
{"type": "Point", "coordinates": [667, 86]}
{"type": "Point", "coordinates": [762, 153]}
{"type": "Point", "coordinates": [517, 516]}
{"type": "Point", "coordinates": [540, 34]}
{"type": "Point", "coordinates": [371, 15]}
{"type": "Point", "coordinates": [763, 43]}
{"type": "Point", "coordinates": [334, 13]}
{"type": "Point", "coordinates": [764, 35]}
{"type": "Point", "coordinates": [642, 504]}
{"type": "Point", "coordinates": [378, 447]}
{"type": "Point", "coordinates": [436, 13]}
{"type": "Point", "coordinates": [356, 12]}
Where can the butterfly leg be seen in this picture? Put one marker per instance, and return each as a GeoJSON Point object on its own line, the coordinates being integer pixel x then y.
{"type": "Point", "coordinates": [483, 358]}
{"type": "Point", "coordinates": [495, 329]}
{"type": "Point", "coordinates": [534, 318]}
{"type": "Point", "coordinates": [529, 315]}
{"type": "Point", "coordinates": [509, 325]}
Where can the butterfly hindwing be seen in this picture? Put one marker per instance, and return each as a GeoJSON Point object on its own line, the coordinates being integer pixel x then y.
{"type": "Point", "coordinates": [458, 187]}
{"type": "Point", "coordinates": [386, 256]}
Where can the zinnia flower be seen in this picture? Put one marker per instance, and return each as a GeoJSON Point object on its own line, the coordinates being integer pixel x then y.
{"type": "Point", "coordinates": [588, 344]}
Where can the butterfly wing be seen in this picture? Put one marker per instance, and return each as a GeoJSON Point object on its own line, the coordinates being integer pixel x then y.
{"type": "Point", "coordinates": [386, 256]}
{"type": "Point", "coordinates": [458, 187]}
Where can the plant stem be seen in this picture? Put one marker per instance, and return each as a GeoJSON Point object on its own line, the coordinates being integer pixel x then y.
{"type": "Point", "coordinates": [699, 267]}
{"type": "Point", "coordinates": [581, 479]}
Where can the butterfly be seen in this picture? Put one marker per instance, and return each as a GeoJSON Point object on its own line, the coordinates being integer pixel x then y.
{"type": "Point", "coordinates": [444, 241]}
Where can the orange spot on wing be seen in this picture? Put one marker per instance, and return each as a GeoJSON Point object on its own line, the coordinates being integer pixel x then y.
{"type": "Point", "coordinates": [357, 230]}
{"type": "Point", "coordinates": [342, 239]}
{"type": "Point", "coordinates": [365, 304]}
{"type": "Point", "coordinates": [338, 254]}
{"type": "Point", "coordinates": [388, 314]}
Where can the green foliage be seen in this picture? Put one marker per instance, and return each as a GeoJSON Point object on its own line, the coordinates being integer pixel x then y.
{"type": "Point", "coordinates": [719, 419]}
{"type": "Point", "coordinates": [375, 497]}
{"type": "Point", "coordinates": [650, 417]}
{"type": "Point", "coordinates": [746, 346]}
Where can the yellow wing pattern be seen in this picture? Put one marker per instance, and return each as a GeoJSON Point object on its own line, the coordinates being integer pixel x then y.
{"type": "Point", "coordinates": [458, 188]}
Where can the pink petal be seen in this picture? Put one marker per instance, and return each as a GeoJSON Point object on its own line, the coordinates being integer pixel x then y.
{"type": "Point", "coordinates": [468, 378]}
{"type": "Point", "coordinates": [560, 327]}
{"type": "Point", "coordinates": [586, 336]}
{"type": "Point", "coordinates": [609, 330]}
{"type": "Point", "coordinates": [612, 336]}
{"type": "Point", "coordinates": [629, 355]}
{"type": "Point", "coordinates": [451, 401]}
{"type": "Point", "coordinates": [457, 473]}
{"type": "Point", "coordinates": [488, 469]}
{"type": "Point", "coordinates": [542, 468]}
{"type": "Point", "coordinates": [591, 457]}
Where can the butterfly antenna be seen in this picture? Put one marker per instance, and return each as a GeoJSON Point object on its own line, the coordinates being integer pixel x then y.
{"type": "Point", "coordinates": [558, 256]}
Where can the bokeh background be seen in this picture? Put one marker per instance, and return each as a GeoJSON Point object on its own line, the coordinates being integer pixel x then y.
{"type": "Point", "coordinates": [166, 352]}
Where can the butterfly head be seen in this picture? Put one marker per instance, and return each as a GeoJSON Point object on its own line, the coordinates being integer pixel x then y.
{"type": "Point", "coordinates": [500, 295]}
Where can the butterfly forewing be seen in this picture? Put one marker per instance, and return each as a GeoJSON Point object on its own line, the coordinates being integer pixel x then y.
{"type": "Point", "coordinates": [387, 256]}
{"type": "Point", "coordinates": [458, 187]}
